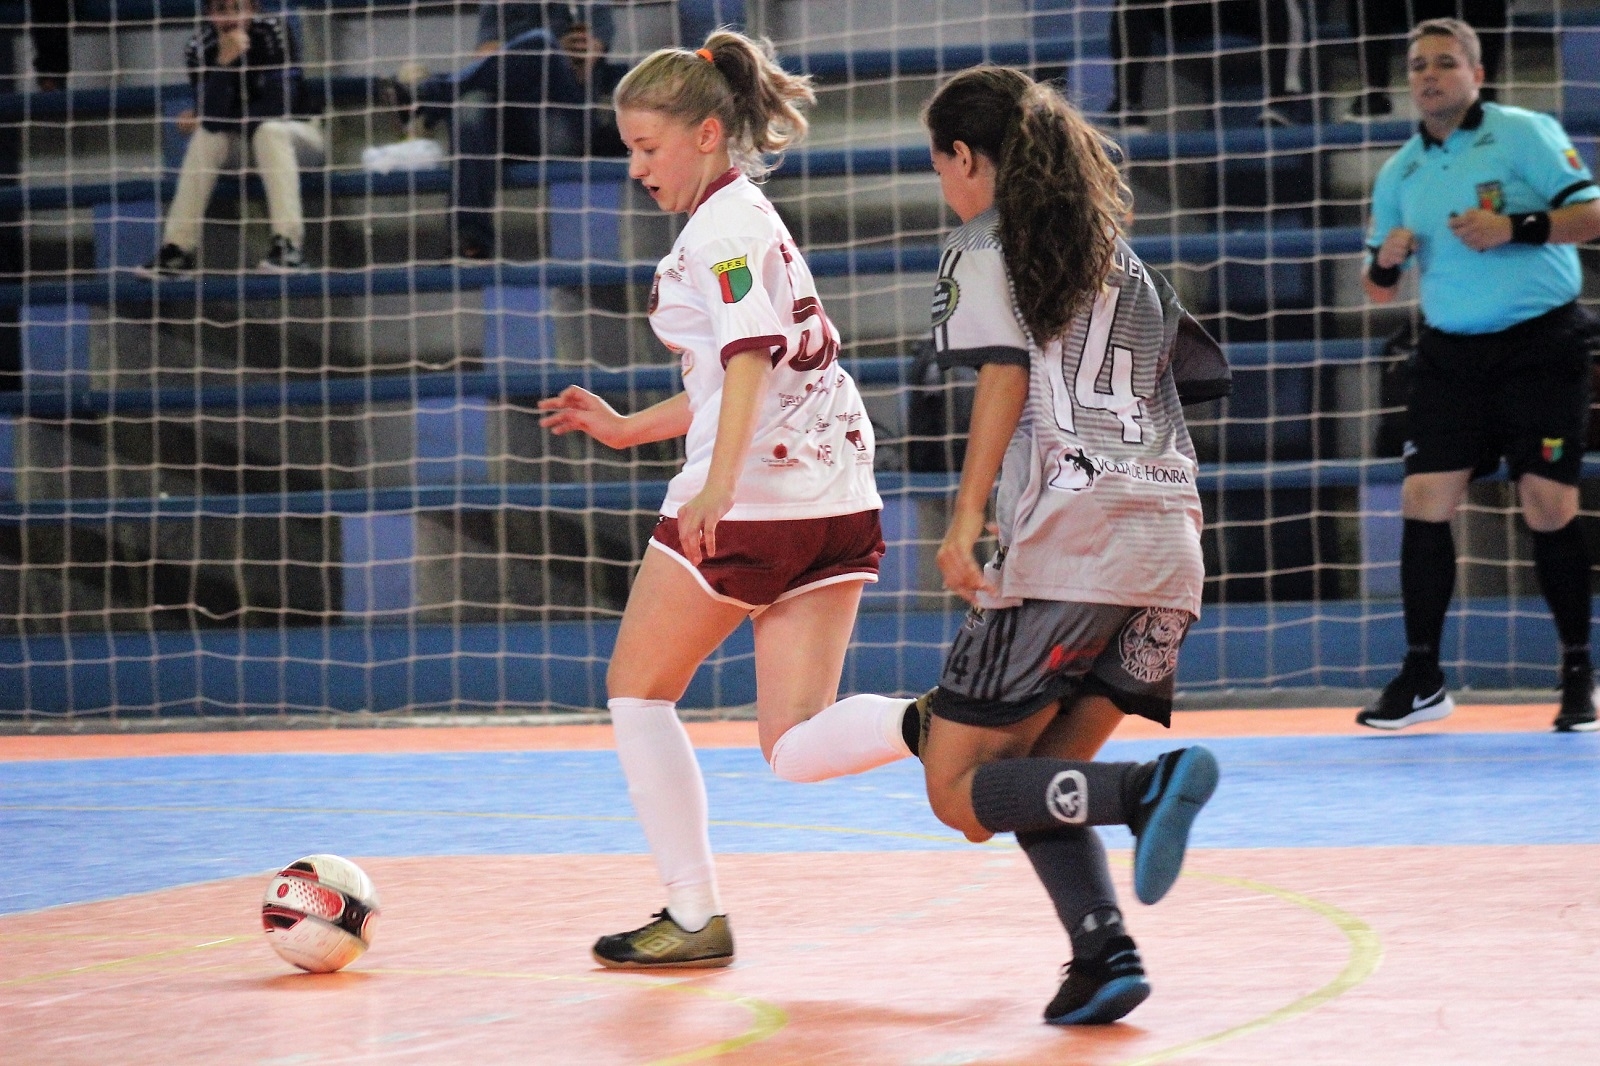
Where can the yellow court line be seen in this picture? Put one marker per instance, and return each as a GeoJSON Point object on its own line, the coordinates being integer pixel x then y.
{"type": "Point", "coordinates": [769, 1017]}
{"type": "Point", "coordinates": [1365, 952]}
{"type": "Point", "coordinates": [116, 964]}
{"type": "Point", "coordinates": [951, 838]}
{"type": "Point", "coordinates": [1365, 948]}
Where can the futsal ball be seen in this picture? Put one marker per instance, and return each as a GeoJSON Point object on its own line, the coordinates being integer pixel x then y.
{"type": "Point", "coordinates": [319, 912]}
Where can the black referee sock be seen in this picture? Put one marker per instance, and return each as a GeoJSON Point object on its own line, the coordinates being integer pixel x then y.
{"type": "Point", "coordinates": [1561, 563]}
{"type": "Point", "coordinates": [1071, 863]}
{"type": "Point", "coordinates": [1019, 795]}
{"type": "Point", "coordinates": [1427, 581]}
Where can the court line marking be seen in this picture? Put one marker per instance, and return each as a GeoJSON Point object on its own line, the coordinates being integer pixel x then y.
{"type": "Point", "coordinates": [1365, 948]}
{"type": "Point", "coordinates": [769, 1017]}
{"type": "Point", "coordinates": [115, 964]}
{"type": "Point", "coordinates": [1365, 952]}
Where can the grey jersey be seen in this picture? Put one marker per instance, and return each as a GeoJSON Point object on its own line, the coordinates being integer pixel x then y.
{"type": "Point", "coordinates": [1097, 500]}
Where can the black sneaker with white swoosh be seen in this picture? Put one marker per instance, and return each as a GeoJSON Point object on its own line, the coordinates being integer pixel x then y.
{"type": "Point", "coordinates": [1417, 695]}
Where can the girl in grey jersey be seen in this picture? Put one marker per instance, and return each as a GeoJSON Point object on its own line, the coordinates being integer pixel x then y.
{"type": "Point", "coordinates": [1077, 619]}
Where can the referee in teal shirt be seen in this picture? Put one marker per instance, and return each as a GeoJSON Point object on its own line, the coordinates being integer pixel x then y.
{"type": "Point", "coordinates": [1488, 202]}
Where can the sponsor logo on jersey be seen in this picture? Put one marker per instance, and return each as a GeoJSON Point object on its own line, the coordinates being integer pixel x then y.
{"type": "Point", "coordinates": [1574, 160]}
{"type": "Point", "coordinates": [1491, 197]}
{"type": "Point", "coordinates": [1552, 449]}
{"type": "Point", "coordinates": [946, 293]}
{"type": "Point", "coordinates": [780, 458]}
{"type": "Point", "coordinates": [1484, 141]}
{"type": "Point", "coordinates": [655, 295]}
{"type": "Point", "coordinates": [1068, 797]}
{"type": "Point", "coordinates": [1077, 471]}
{"type": "Point", "coordinates": [733, 275]}
{"type": "Point", "coordinates": [863, 457]}
{"type": "Point", "coordinates": [1149, 643]}
{"type": "Point", "coordinates": [787, 400]}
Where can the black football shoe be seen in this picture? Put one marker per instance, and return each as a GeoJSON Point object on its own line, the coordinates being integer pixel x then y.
{"type": "Point", "coordinates": [1416, 695]}
{"type": "Point", "coordinates": [1100, 990]}
{"type": "Point", "coordinates": [1577, 701]}
{"type": "Point", "coordinates": [663, 944]}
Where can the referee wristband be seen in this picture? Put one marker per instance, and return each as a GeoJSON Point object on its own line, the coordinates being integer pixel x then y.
{"type": "Point", "coordinates": [1383, 277]}
{"type": "Point", "coordinates": [1530, 227]}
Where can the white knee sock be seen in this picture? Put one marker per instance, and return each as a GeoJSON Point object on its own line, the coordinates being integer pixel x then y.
{"type": "Point", "coordinates": [669, 797]}
{"type": "Point", "coordinates": [855, 734]}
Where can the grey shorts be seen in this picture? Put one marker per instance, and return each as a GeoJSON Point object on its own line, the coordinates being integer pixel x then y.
{"type": "Point", "coordinates": [1006, 664]}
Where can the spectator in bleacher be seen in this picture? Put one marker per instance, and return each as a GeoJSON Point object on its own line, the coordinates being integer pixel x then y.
{"type": "Point", "coordinates": [245, 71]}
{"type": "Point", "coordinates": [1378, 23]}
{"type": "Point", "coordinates": [1489, 201]}
{"type": "Point", "coordinates": [1138, 26]}
{"type": "Point", "coordinates": [52, 55]}
{"type": "Point", "coordinates": [542, 92]}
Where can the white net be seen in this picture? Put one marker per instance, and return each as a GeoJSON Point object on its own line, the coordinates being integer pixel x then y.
{"type": "Point", "coordinates": [250, 488]}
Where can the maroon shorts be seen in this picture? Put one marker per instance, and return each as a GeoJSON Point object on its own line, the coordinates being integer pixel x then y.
{"type": "Point", "coordinates": [759, 563]}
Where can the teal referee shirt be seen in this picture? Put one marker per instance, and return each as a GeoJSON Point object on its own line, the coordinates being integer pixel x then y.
{"type": "Point", "coordinates": [1504, 159]}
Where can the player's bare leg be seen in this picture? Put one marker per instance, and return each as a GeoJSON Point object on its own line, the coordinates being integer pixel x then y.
{"type": "Point", "coordinates": [800, 650]}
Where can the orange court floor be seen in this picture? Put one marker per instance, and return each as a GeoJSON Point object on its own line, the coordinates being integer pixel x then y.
{"type": "Point", "coordinates": [1432, 896]}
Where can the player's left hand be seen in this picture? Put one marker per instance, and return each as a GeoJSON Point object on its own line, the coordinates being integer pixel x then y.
{"type": "Point", "coordinates": [697, 523]}
{"type": "Point", "coordinates": [1481, 230]}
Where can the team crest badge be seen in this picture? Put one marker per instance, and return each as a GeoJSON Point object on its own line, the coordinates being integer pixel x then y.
{"type": "Point", "coordinates": [1573, 159]}
{"type": "Point", "coordinates": [1150, 642]}
{"type": "Point", "coordinates": [1491, 197]}
{"type": "Point", "coordinates": [1553, 447]}
{"type": "Point", "coordinates": [945, 295]}
{"type": "Point", "coordinates": [733, 275]}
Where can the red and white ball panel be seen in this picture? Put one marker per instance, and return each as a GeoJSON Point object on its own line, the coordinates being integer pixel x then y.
{"type": "Point", "coordinates": [319, 912]}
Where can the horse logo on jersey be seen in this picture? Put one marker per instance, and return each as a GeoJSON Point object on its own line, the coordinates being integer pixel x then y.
{"type": "Point", "coordinates": [1149, 643]}
{"type": "Point", "coordinates": [946, 293]}
{"type": "Point", "coordinates": [1074, 472]}
{"type": "Point", "coordinates": [733, 276]}
{"type": "Point", "coordinates": [1068, 797]}
{"type": "Point", "coordinates": [1491, 197]}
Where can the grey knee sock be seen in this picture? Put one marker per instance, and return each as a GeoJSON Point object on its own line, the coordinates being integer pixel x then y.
{"type": "Point", "coordinates": [1015, 795]}
{"type": "Point", "coordinates": [1071, 862]}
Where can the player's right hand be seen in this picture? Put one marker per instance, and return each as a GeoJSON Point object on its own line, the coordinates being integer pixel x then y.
{"type": "Point", "coordinates": [579, 409]}
{"type": "Point", "coordinates": [1397, 247]}
{"type": "Point", "coordinates": [962, 574]}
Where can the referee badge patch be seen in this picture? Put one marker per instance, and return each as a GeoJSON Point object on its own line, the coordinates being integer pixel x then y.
{"type": "Point", "coordinates": [1552, 449]}
{"type": "Point", "coordinates": [733, 276]}
{"type": "Point", "coordinates": [1149, 643]}
{"type": "Point", "coordinates": [945, 295]}
{"type": "Point", "coordinates": [1491, 197]}
{"type": "Point", "coordinates": [1573, 159]}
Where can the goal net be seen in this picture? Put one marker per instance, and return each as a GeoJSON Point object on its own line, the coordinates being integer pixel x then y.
{"type": "Point", "coordinates": [234, 484]}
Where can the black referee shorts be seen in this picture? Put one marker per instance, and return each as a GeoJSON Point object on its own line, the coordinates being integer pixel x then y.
{"type": "Point", "coordinates": [1521, 394]}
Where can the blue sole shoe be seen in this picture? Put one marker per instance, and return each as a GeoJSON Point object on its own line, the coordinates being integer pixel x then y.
{"type": "Point", "coordinates": [1183, 782]}
{"type": "Point", "coordinates": [1111, 1001]}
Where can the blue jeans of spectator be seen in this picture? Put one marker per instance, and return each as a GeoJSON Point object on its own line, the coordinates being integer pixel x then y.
{"type": "Point", "coordinates": [521, 102]}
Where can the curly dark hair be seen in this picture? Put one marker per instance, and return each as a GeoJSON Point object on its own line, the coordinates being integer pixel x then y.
{"type": "Point", "coordinates": [1060, 197]}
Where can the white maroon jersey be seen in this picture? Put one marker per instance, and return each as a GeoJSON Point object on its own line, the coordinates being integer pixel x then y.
{"type": "Point", "coordinates": [734, 281]}
{"type": "Point", "coordinates": [1097, 500]}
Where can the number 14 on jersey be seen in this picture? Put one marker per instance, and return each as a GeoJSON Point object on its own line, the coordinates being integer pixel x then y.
{"type": "Point", "coordinates": [1081, 390]}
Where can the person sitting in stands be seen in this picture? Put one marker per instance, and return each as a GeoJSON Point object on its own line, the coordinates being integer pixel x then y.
{"type": "Point", "coordinates": [244, 67]}
{"type": "Point", "coordinates": [542, 91]}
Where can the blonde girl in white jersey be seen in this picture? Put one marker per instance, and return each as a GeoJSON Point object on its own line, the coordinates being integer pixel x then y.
{"type": "Point", "coordinates": [774, 516]}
